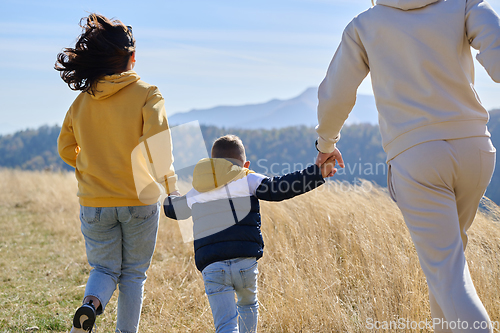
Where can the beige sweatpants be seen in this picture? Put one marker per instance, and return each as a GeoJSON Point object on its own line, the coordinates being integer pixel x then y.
{"type": "Point", "coordinates": [437, 185]}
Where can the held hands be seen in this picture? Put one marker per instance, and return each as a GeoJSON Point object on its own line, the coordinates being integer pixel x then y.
{"type": "Point", "coordinates": [328, 167]}
{"type": "Point", "coordinates": [327, 162]}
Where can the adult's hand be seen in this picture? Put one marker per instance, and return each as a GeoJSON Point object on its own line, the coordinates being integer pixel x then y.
{"type": "Point", "coordinates": [336, 155]}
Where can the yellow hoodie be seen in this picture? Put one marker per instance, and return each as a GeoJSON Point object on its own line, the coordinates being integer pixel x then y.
{"type": "Point", "coordinates": [99, 138]}
{"type": "Point", "coordinates": [212, 173]}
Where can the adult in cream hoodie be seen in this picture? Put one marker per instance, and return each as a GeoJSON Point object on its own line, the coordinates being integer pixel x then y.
{"type": "Point", "coordinates": [433, 128]}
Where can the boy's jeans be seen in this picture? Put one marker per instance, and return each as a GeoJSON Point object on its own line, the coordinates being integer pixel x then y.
{"type": "Point", "coordinates": [120, 242]}
{"type": "Point", "coordinates": [222, 279]}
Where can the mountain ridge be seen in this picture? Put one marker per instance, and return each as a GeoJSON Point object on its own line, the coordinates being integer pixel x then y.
{"type": "Point", "coordinates": [275, 113]}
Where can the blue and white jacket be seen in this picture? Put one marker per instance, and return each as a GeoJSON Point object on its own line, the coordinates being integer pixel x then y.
{"type": "Point", "coordinates": [224, 204]}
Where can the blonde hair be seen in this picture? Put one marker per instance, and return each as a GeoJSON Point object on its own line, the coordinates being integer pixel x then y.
{"type": "Point", "coordinates": [373, 3]}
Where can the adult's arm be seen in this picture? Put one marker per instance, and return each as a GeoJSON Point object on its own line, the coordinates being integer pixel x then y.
{"type": "Point", "coordinates": [482, 25]}
{"type": "Point", "coordinates": [337, 92]}
{"type": "Point", "coordinates": [290, 185]}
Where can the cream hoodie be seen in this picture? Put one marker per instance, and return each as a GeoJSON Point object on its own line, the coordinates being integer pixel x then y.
{"type": "Point", "coordinates": [112, 139]}
{"type": "Point", "coordinates": [419, 56]}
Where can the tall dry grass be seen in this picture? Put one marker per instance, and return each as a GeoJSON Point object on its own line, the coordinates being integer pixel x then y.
{"type": "Point", "coordinates": [334, 260]}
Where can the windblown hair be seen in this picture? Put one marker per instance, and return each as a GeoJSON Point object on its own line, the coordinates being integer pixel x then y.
{"type": "Point", "coordinates": [103, 48]}
{"type": "Point", "coordinates": [229, 147]}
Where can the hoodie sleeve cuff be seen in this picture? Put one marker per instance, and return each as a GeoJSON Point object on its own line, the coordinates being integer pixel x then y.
{"type": "Point", "coordinates": [326, 147]}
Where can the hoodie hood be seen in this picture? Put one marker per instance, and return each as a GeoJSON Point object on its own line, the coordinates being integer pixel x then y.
{"type": "Point", "coordinates": [110, 84]}
{"type": "Point", "coordinates": [212, 173]}
{"type": "Point", "coordinates": [406, 4]}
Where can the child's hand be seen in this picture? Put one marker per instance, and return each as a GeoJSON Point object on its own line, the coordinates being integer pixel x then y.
{"type": "Point", "coordinates": [328, 167]}
{"type": "Point", "coordinates": [174, 194]}
{"type": "Point", "coordinates": [322, 157]}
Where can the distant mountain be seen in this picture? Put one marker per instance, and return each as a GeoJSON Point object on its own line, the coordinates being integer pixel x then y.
{"type": "Point", "coordinates": [297, 111]}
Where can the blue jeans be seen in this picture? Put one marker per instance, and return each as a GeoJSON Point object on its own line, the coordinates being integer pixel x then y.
{"type": "Point", "coordinates": [120, 242]}
{"type": "Point", "coordinates": [222, 279]}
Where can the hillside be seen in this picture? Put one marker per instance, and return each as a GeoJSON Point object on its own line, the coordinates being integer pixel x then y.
{"type": "Point", "coordinates": [331, 267]}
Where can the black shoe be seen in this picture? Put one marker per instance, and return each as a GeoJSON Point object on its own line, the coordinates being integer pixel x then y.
{"type": "Point", "coordinates": [84, 319]}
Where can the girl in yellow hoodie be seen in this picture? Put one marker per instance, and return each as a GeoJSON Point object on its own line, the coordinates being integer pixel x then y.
{"type": "Point", "coordinates": [109, 135]}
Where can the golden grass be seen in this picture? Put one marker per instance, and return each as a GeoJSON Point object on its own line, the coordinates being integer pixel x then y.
{"type": "Point", "coordinates": [333, 260]}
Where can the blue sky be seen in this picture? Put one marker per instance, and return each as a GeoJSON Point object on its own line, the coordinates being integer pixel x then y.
{"type": "Point", "coordinates": [199, 53]}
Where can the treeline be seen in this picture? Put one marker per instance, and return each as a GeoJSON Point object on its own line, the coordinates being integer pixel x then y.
{"type": "Point", "coordinates": [290, 149]}
{"type": "Point", "coordinates": [271, 152]}
{"type": "Point", "coordinates": [32, 149]}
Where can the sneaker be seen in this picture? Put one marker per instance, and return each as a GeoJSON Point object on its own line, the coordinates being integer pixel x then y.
{"type": "Point", "coordinates": [84, 319]}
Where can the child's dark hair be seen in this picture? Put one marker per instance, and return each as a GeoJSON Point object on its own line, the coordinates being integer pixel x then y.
{"type": "Point", "coordinates": [229, 147]}
{"type": "Point", "coordinates": [103, 48]}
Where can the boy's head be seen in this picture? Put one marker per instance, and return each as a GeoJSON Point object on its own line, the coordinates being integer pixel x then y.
{"type": "Point", "coordinates": [230, 147]}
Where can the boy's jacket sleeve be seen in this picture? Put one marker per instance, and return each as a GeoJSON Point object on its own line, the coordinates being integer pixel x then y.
{"type": "Point", "coordinates": [177, 208]}
{"type": "Point", "coordinates": [290, 185]}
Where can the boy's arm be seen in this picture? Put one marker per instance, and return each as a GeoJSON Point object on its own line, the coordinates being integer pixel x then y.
{"type": "Point", "coordinates": [176, 208]}
{"type": "Point", "coordinates": [290, 185]}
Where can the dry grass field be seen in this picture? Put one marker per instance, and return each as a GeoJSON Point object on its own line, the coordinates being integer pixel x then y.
{"type": "Point", "coordinates": [334, 260]}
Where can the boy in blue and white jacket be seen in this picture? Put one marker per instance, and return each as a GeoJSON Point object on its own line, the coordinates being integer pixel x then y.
{"type": "Point", "coordinates": [224, 204]}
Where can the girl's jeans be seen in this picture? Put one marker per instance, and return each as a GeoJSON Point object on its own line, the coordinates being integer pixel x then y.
{"type": "Point", "coordinates": [120, 242]}
{"type": "Point", "coordinates": [222, 279]}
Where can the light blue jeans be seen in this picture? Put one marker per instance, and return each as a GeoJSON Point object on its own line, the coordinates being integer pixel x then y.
{"type": "Point", "coordinates": [120, 242]}
{"type": "Point", "coordinates": [222, 279]}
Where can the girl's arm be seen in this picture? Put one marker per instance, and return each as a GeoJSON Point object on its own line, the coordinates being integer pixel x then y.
{"type": "Point", "coordinates": [66, 143]}
{"type": "Point", "coordinates": [158, 140]}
